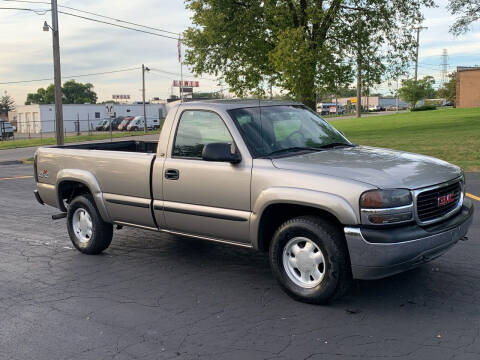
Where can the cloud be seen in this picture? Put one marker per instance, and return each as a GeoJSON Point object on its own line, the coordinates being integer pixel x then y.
{"type": "Point", "coordinates": [89, 47]}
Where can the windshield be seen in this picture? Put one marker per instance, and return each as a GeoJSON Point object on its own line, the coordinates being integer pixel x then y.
{"type": "Point", "coordinates": [276, 129]}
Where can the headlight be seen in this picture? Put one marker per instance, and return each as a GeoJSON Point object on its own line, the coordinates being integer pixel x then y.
{"type": "Point", "coordinates": [384, 207]}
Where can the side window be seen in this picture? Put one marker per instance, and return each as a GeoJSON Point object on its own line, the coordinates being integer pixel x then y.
{"type": "Point", "coordinates": [197, 128]}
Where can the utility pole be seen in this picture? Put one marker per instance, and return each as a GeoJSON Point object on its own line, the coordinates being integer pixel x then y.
{"type": "Point", "coordinates": [396, 97]}
{"type": "Point", "coordinates": [57, 76]}
{"type": "Point", "coordinates": [359, 71]}
{"type": "Point", "coordinates": [179, 48]}
{"type": "Point", "coordinates": [418, 45]}
{"type": "Point", "coordinates": [144, 68]}
{"type": "Point", "coordinates": [359, 87]}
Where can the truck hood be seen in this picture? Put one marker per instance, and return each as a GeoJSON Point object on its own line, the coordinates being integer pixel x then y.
{"type": "Point", "coordinates": [379, 167]}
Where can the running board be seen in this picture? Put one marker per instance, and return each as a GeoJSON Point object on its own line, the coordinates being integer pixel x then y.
{"type": "Point", "coordinates": [228, 242]}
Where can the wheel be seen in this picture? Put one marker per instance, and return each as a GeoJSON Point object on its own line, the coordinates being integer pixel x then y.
{"type": "Point", "coordinates": [87, 230]}
{"type": "Point", "coordinates": [309, 258]}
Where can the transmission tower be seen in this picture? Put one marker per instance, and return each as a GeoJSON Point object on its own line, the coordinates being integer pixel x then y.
{"type": "Point", "coordinates": [444, 66]}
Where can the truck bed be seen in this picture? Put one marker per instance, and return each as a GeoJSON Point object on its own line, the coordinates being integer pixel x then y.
{"type": "Point", "coordinates": [149, 147]}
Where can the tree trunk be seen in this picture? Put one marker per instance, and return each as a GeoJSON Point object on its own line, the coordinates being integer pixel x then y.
{"type": "Point", "coordinates": [359, 89]}
{"type": "Point", "coordinates": [310, 103]}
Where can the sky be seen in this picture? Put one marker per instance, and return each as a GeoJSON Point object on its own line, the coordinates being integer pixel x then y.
{"type": "Point", "coordinates": [88, 47]}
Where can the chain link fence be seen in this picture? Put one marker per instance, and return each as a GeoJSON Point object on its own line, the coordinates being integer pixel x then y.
{"type": "Point", "coordinates": [45, 129]}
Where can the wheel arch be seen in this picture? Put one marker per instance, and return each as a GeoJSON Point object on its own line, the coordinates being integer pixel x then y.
{"type": "Point", "coordinates": [74, 182]}
{"type": "Point", "coordinates": [275, 206]}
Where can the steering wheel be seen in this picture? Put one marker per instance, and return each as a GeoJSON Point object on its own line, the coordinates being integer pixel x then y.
{"type": "Point", "coordinates": [289, 137]}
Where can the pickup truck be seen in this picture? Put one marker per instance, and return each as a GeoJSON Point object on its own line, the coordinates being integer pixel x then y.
{"type": "Point", "coordinates": [271, 176]}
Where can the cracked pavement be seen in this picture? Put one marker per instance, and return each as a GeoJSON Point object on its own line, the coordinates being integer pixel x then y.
{"type": "Point", "coordinates": [156, 296]}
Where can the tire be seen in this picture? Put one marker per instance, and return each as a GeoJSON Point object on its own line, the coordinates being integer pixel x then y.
{"type": "Point", "coordinates": [89, 237]}
{"type": "Point", "coordinates": [318, 272]}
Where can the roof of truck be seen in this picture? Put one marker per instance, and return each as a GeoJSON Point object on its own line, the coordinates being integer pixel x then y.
{"type": "Point", "coordinates": [241, 103]}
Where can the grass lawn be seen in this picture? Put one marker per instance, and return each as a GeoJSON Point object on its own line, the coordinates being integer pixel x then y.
{"type": "Point", "coordinates": [449, 134]}
{"type": "Point", "coordinates": [12, 144]}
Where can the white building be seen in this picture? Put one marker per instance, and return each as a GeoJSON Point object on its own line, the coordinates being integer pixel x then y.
{"type": "Point", "coordinates": [373, 102]}
{"type": "Point", "coordinates": [41, 118]}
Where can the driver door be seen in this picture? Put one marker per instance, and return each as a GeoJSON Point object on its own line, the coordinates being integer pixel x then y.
{"type": "Point", "coordinates": [204, 198]}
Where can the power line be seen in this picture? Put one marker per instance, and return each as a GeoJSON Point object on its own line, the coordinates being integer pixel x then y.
{"type": "Point", "coordinates": [98, 15]}
{"type": "Point", "coordinates": [120, 26]}
{"type": "Point", "coordinates": [70, 77]}
{"type": "Point", "coordinates": [36, 11]}
{"type": "Point", "coordinates": [189, 75]}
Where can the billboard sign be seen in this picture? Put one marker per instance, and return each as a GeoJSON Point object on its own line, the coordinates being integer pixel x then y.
{"type": "Point", "coordinates": [186, 83]}
{"type": "Point", "coordinates": [121, 97]}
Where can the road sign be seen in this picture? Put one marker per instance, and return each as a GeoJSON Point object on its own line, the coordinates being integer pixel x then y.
{"type": "Point", "coordinates": [353, 100]}
{"type": "Point", "coordinates": [109, 110]}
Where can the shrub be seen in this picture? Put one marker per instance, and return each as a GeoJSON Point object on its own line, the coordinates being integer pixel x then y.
{"type": "Point", "coordinates": [424, 107]}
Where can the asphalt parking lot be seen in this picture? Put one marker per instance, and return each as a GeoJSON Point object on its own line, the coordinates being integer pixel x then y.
{"type": "Point", "coordinates": [155, 296]}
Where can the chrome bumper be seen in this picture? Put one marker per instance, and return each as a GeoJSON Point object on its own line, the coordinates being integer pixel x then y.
{"type": "Point", "coordinates": [371, 260]}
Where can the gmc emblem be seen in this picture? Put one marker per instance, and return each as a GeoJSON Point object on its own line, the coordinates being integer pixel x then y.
{"type": "Point", "coordinates": [446, 199]}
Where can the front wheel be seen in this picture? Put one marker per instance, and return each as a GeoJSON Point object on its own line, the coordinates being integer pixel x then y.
{"type": "Point", "coordinates": [88, 232]}
{"type": "Point", "coordinates": [309, 258]}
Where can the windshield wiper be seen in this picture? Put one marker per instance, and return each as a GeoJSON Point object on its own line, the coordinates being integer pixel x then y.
{"type": "Point", "coordinates": [293, 149]}
{"type": "Point", "coordinates": [336, 144]}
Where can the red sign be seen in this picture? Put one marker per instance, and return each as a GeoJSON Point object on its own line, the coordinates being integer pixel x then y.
{"type": "Point", "coordinates": [178, 83]}
{"type": "Point", "coordinates": [445, 200]}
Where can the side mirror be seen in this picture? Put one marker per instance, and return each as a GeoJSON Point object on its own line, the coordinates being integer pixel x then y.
{"type": "Point", "coordinates": [223, 152]}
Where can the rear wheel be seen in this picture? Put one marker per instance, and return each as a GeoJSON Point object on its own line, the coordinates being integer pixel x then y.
{"type": "Point", "coordinates": [309, 258]}
{"type": "Point", "coordinates": [88, 232]}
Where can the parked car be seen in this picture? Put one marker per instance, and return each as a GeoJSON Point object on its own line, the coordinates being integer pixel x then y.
{"type": "Point", "coordinates": [6, 130]}
{"type": "Point", "coordinates": [115, 123]}
{"type": "Point", "coordinates": [270, 176]}
{"type": "Point", "coordinates": [138, 123]}
{"type": "Point", "coordinates": [101, 125]}
{"type": "Point", "coordinates": [123, 125]}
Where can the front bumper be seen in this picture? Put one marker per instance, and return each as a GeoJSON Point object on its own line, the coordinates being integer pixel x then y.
{"type": "Point", "coordinates": [375, 254]}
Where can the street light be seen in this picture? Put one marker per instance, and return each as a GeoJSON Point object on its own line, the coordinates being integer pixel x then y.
{"type": "Point", "coordinates": [46, 27]}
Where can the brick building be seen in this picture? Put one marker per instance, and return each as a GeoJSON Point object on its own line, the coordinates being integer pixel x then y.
{"type": "Point", "coordinates": [468, 87]}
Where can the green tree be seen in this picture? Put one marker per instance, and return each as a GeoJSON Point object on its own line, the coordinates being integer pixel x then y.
{"type": "Point", "coordinates": [78, 93]}
{"type": "Point", "coordinates": [449, 89]}
{"type": "Point", "coordinates": [6, 104]}
{"type": "Point", "coordinates": [42, 96]}
{"type": "Point", "coordinates": [412, 91]}
{"type": "Point", "coordinates": [298, 45]}
{"type": "Point", "coordinates": [72, 93]}
{"type": "Point", "coordinates": [467, 11]}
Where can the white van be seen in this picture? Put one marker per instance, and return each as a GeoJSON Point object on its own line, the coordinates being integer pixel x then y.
{"type": "Point", "coordinates": [138, 123]}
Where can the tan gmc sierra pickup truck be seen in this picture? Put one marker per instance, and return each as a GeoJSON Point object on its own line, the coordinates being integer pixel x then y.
{"type": "Point", "coordinates": [272, 176]}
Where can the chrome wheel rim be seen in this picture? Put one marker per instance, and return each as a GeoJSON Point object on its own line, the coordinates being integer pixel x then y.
{"type": "Point", "coordinates": [82, 225]}
{"type": "Point", "coordinates": [304, 262]}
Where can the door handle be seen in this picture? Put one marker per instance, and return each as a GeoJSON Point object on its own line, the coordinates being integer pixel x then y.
{"type": "Point", "coordinates": [172, 174]}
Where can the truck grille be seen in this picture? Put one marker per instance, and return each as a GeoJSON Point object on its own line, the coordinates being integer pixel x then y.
{"type": "Point", "coordinates": [433, 204]}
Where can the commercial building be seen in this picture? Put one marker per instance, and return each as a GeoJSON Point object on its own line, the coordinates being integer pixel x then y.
{"type": "Point", "coordinates": [36, 118]}
{"type": "Point", "coordinates": [468, 87]}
